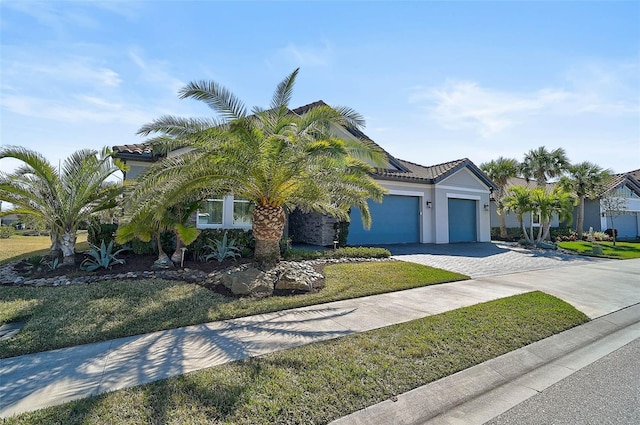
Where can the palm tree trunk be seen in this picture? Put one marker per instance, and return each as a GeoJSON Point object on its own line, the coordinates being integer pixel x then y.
{"type": "Point", "coordinates": [177, 254]}
{"type": "Point", "coordinates": [580, 219]}
{"type": "Point", "coordinates": [68, 247]}
{"type": "Point", "coordinates": [55, 250]}
{"type": "Point", "coordinates": [524, 229]}
{"type": "Point", "coordinates": [268, 226]}
{"type": "Point", "coordinates": [503, 226]}
{"type": "Point", "coordinates": [162, 256]}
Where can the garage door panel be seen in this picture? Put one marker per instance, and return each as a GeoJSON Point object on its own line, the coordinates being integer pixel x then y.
{"type": "Point", "coordinates": [462, 220]}
{"type": "Point", "coordinates": [395, 220]}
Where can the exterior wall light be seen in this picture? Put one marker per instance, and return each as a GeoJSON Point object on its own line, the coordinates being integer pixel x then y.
{"type": "Point", "coordinates": [486, 207]}
{"type": "Point", "coordinates": [428, 204]}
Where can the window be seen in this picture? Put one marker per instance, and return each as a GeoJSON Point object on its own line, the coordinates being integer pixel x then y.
{"type": "Point", "coordinates": [242, 210]}
{"type": "Point", "coordinates": [535, 219]}
{"type": "Point", "coordinates": [210, 212]}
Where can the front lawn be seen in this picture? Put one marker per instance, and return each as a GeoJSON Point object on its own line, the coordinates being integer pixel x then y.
{"type": "Point", "coordinates": [17, 246]}
{"type": "Point", "coordinates": [73, 315]}
{"type": "Point", "coordinates": [623, 250]}
{"type": "Point", "coordinates": [320, 382]}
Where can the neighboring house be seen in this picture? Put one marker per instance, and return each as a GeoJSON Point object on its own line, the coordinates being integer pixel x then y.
{"type": "Point", "coordinates": [529, 219]}
{"type": "Point", "coordinates": [437, 204]}
{"type": "Point", "coordinates": [627, 224]}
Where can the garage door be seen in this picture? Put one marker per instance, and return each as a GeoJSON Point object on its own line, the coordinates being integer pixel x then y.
{"type": "Point", "coordinates": [462, 220]}
{"type": "Point", "coordinates": [395, 220]}
{"type": "Point", "coordinates": [627, 225]}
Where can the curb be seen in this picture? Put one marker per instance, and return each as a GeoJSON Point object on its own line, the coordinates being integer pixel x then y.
{"type": "Point", "coordinates": [513, 377]}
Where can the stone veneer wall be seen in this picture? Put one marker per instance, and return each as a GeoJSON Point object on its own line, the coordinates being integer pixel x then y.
{"type": "Point", "coordinates": [312, 228]}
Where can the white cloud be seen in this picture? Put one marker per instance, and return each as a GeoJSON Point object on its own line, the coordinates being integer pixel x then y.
{"type": "Point", "coordinates": [154, 72]}
{"type": "Point", "coordinates": [467, 105]}
{"type": "Point", "coordinates": [58, 72]}
{"type": "Point", "coordinates": [308, 56]}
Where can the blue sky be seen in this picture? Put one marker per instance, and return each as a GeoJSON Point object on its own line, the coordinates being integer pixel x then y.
{"type": "Point", "coordinates": [436, 81]}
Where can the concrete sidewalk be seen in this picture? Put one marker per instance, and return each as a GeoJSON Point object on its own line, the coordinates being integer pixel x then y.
{"type": "Point", "coordinates": [34, 381]}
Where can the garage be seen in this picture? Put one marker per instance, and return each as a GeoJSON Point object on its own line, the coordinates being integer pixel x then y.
{"type": "Point", "coordinates": [395, 220]}
{"type": "Point", "coordinates": [626, 224]}
{"type": "Point", "coordinates": [462, 220]}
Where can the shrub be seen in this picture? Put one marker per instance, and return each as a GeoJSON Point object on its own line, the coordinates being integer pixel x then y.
{"type": "Point", "coordinates": [221, 249]}
{"type": "Point", "coordinates": [243, 240]}
{"type": "Point", "coordinates": [612, 232]}
{"type": "Point", "coordinates": [513, 234]}
{"type": "Point", "coordinates": [562, 233]}
{"type": "Point", "coordinates": [101, 257]}
{"type": "Point", "coordinates": [167, 240]}
{"type": "Point", "coordinates": [6, 232]}
{"type": "Point", "coordinates": [349, 252]}
{"type": "Point", "coordinates": [342, 233]}
{"type": "Point", "coordinates": [601, 236]}
{"type": "Point", "coordinates": [99, 232]}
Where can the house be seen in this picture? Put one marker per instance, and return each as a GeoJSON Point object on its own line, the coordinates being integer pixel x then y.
{"type": "Point", "coordinates": [529, 219]}
{"type": "Point", "coordinates": [627, 224]}
{"type": "Point", "coordinates": [442, 203]}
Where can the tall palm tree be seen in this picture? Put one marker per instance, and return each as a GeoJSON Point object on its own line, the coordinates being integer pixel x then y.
{"type": "Point", "coordinates": [500, 171]}
{"type": "Point", "coordinates": [542, 165]}
{"type": "Point", "coordinates": [584, 179]}
{"type": "Point", "coordinates": [63, 198]}
{"type": "Point", "coordinates": [272, 157]}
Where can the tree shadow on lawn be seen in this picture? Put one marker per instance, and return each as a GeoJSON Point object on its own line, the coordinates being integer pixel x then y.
{"type": "Point", "coordinates": [28, 381]}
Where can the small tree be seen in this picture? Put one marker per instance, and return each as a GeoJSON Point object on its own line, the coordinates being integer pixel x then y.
{"type": "Point", "coordinates": [613, 205]}
{"type": "Point", "coordinates": [518, 200]}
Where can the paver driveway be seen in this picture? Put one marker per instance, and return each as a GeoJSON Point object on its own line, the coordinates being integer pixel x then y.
{"type": "Point", "coordinates": [485, 259]}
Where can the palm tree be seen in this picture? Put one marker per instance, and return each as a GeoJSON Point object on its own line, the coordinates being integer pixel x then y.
{"type": "Point", "coordinates": [518, 200]}
{"type": "Point", "coordinates": [63, 198]}
{"type": "Point", "coordinates": [272, 157]}
{"type": "Point", "coordinates": [542, 165]}
{"type": "Point", "coordinates": [547, 204]}
{"type": "Point", "coordinates": [146, 224]}
{"type": "Point", "coordinates": [500, 171]}
{"type": "Point", "coordinates": [584, 179]}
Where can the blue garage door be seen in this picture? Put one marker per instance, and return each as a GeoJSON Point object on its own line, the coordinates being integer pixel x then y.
{"type": "Point", "coordinates": [627, 225]}
{"type": "Point", "coordinates": [462, 220]}
{"type": "Point", "coordinates": [395, 220]}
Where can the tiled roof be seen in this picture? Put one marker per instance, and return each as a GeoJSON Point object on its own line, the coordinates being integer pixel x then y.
{"type": "Point", "coordinates": [135, 149]}
{"type": "Point", "coordinates": [398, 169]}
{"type": "Point", "coordinates": [630, 179]}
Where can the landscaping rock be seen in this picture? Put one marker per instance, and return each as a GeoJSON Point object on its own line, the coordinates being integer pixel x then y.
{"type": "Point", "coordinates": [250, 281]}
{"type": "Point", "coordinates": [296, 276]}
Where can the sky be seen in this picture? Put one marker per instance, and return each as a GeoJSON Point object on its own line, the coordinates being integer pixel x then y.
{"type": "Point", "coordinates": [435, 81]}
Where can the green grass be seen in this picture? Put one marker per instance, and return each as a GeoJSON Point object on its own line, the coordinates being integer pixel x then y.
{"type": "Point", "coordinates": [624, 250]}
{"type": "Point", "coordinates": [73, 315]}
{"type": "Point", "coordinates": [320, 382]}
{"type": "Point", "coordinates": [17, 246]}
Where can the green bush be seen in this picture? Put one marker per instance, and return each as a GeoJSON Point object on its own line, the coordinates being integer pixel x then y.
{"type": "Point", "coordinates": [6, 232]}
{"type": "Point", "coordinates": [167, 239]}
{"type": "Point", "coordinates": [513, 234]}
{"type": "Point", "coordinates": [243, 240]}
{"type": "Point", "coordinates": [342, 233]}
{"type": "Point", "coordinates": [562, 234]}
{"type": "Point", "coordinates": [99, 232]}
{"type": "Point", "coordinates": [349, 252]}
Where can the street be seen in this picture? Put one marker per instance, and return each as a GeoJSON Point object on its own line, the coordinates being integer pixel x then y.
{"type": "Point", "coordinates": [605, 392]}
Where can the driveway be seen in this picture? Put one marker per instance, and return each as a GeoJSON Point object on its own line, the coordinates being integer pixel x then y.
{"type": "Point", "coordinates": [485, 259]}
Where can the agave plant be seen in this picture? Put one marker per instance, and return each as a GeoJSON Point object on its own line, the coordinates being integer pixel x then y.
{"type": "Point", "coordinates": [102, 257]}
{"type": "Point", "coordinates": [222, 249]}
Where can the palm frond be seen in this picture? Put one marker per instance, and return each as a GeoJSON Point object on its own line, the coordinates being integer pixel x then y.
{"type": "Point", "coordinates": [216, 97]}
